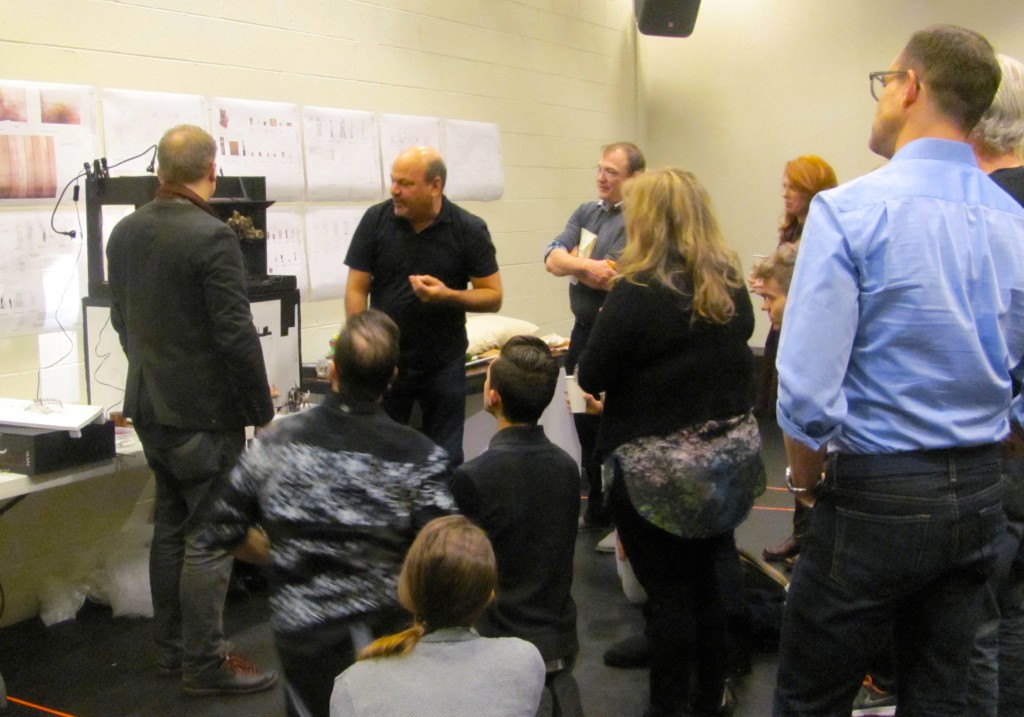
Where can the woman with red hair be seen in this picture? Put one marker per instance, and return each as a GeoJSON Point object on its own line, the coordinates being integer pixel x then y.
{"type": "Point", "coordinates": [803, 177]}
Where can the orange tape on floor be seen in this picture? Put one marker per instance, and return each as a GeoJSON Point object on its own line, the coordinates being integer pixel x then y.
{"type": "Point", "coordinates": [23, 703]}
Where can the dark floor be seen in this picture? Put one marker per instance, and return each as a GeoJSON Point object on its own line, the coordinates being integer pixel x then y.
{"type": "Point", "coordinates": [99, 666]}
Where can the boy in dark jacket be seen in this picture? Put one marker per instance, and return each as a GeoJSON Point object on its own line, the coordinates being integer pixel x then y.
{"type": "Point", "coordinates": [524, 491]}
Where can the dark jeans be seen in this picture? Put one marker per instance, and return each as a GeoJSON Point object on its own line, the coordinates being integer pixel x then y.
{"type": "Point", "coordinates": [997, 666]}
{"type": "Point", "coordinates": [901, 542]}
{"type": "Point", "coordinates": [441, 393]}
{"type": "Point", "coordinates": [995, 681]}
{"type": "Point", "coordinates": [188, 582]}
{"type": "Point", "coordinates": [310, 666]}
{"type": "Point", "coordinates": [586, 431]}
{"type": "Point", "coordinates": [685, 617]}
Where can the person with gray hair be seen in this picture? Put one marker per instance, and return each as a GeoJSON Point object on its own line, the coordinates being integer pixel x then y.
{"type": "Point", "coordinates": [997, 669]}
{"type": "Point", "coordinates": [341, 491]}
{"type": "Point", "coordinates": [196, 379]}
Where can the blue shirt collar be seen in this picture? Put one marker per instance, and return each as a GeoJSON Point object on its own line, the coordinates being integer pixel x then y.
{"type": "Point", "coordinates": [941, 149]}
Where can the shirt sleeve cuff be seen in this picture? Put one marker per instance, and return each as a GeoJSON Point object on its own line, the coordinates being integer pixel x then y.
{"type": "Point", "coordinates": [552, 246]}
{"type": "Point", "coordinates": [792, 430]}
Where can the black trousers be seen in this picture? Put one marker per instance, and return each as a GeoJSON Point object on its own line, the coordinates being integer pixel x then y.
{"type": "Point", "coordinates": [686, 621]}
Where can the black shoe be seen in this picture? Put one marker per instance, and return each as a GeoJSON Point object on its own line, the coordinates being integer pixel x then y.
{"type": "Point", "coordinates": [234, 676]}
{"type": "Point", "coordinates": [631, 653]}
{"type": "Point", "coordinates": [787, 549]}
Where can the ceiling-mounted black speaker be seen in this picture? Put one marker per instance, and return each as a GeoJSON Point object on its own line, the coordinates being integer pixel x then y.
{"type": "Point", "coordinates": [666, 18]}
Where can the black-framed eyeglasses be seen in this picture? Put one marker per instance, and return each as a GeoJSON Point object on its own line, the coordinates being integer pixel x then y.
{"type": "Point", "coordinates": [879, 80]}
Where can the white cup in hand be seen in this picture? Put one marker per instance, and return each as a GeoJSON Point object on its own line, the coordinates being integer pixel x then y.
{"type": "Point", "coordinates": [577, 404]}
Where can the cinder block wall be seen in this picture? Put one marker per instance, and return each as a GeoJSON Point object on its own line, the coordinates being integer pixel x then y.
{"type": "Point", "coordinates": [557, 76]}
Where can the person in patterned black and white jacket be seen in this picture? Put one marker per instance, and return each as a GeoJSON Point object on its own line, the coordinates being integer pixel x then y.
{"type": "Point", "coordinates": [331, 500]}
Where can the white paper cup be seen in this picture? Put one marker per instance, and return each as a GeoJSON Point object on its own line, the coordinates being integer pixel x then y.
{"type": "Point", "coordinates": [577, 404]}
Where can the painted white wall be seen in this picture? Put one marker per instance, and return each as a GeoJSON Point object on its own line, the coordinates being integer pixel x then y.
{"type": "Point", "coordinates": [759, 83]}
{"type": "Point", "coordinates": [557, 76]}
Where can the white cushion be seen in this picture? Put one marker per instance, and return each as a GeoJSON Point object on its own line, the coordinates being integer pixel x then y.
{"type": "Point", "coordinates": [491, 331]}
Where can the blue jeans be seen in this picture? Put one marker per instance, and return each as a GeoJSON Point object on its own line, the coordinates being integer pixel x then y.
{"type": "Point", "coordinates": [901, 542]}
{"type": "Point", "coordinates": [441, 393]}
{"type": "Point", "coordinates": [189, 582]}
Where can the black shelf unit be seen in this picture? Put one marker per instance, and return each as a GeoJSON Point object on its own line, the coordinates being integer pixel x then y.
{"type": "Point", "coordinates": [248, 195]}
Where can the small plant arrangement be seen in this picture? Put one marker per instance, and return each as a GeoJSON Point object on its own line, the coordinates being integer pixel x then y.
{"type": "Point", "coordinates": [243, 227]}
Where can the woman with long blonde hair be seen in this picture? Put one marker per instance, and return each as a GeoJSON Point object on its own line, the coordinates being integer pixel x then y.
{"type": "Point", "coordinates": [440, 665]}
{"type": "Point", "coordinates": [669, 349]}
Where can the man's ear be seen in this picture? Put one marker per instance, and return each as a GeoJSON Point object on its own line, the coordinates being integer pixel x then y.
{"type": "Point", "coordinates": [492, 399]}
{"type": "Point", "coordinates": [213, 172]}
{"type": "Point", "coordinates": [912, 92]}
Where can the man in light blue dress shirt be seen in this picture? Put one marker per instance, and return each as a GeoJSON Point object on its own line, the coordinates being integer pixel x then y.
{"type": "Point", "coordinates": [905, 318]}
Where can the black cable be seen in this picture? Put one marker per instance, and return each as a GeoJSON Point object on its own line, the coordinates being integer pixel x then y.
{"type": "Point", "coordinates": [103, 360]}
{"type": "Point", "coordinates": [56, 312]}
{"type": "Point", "coordinates": [60, 199]}
{"type": "Point", "coordinates": [151, 147]}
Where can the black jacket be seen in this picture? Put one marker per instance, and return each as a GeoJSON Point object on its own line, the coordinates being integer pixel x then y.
{"type": "Point", "coordinates": [524, 491]}
{"type": "Point", "coordinates": [181, 312]}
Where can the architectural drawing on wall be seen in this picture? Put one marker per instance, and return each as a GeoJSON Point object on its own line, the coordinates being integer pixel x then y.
{"type": "Point", "coordinates": [397, 132]}
{"type": "Point", "coordinates": [41, 273]}
{"type": "Point", "coordinates": [260, 139]}
{"type": "Point", "coordinates": [472, 151]}
{"type": "Point", "coordinates": [286, 248]}
{"type": "Point", "coordinates": [342, 154]}
{"type": "Point", "coordinates": [134, 120]}
{"type": "Point", "coordinates": [328, 234]}
{"type": "Point", "coordinates": [47, 132]}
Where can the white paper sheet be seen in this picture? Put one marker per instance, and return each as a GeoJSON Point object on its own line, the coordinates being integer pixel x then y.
{"type": "Point", "coordinates": [135, 120]}
{"type": "Point", "coordinates": [342, 154]}
{"type": "Point", "coordinates": [286, 247]}
{"type": "Point", "coordinates": [56, 416]}
{"type": "Point", "coordinates": [260, 139]}
{"type": "Point", "coordinates": [47, 132]}
{"type": "Point", "coordinates": [398, 132]}
{"type": "Point", "coordinates": [41, 273]}
{"type": "Point", "coordinates": [472, 151]}
{"type": "Point", "coordinates": [328, 235]}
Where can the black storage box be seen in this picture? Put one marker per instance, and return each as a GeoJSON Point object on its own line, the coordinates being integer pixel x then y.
{"type": "Point", "coordinates": [33, 450]}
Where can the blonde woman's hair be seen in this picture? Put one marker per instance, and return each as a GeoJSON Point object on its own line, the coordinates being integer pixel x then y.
{"type": "Point", "coordinates": [674, 238]}
{"type": "Point", "coordinates": [448, 579]}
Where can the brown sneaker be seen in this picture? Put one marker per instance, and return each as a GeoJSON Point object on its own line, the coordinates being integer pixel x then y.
{"type": "Point", "coordinates": [234, 676]}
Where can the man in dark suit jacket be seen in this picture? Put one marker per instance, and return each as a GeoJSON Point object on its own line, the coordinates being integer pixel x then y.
{"type": "Point", "coordinates": [196, 379]}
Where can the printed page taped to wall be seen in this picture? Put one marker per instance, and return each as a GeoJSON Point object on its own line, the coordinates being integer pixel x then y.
{"type": "Point", "coordinates": [342, 154]}
{"type": "Point", "coordinates": [47, 132]}
{"type": "Point", "coordinates": [398, 132]}
{"type": "Point", "coordinates": [328, 234]}
{"type": "Point", "coordinates": [41, 273]}
{"type": "Point", "coordinates": [286, 247]}
{"type": "Point", "coordinates": [134, 120]}
{"type": "Point", "coordinates": [260, 139]}
{"type": "Point", "coordinates": [472, 151]}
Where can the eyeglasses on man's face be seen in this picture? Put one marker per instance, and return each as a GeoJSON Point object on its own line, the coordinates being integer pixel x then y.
{"type": "Point", "coordinates": [880, 79]}
{"type": "Point", "coordinates": [607, 172]}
